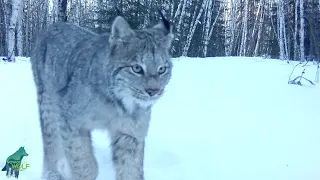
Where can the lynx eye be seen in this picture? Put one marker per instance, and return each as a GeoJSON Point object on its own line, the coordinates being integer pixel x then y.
{"type": "Point", "coordinates": [162, 70]}
{"type": "Point", "coordinates": [137, 69]}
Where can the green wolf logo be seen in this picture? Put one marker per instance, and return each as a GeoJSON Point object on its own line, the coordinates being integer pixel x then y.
{"type": "Point", "coordinates": [13, 163]}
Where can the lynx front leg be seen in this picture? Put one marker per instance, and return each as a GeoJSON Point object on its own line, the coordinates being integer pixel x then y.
{"type": "Point", "coordinates": [52, 149]}
{"type": "Point", "coordinates": [79, 153]}
{"type": "Point", "coordinates": [127, 156]}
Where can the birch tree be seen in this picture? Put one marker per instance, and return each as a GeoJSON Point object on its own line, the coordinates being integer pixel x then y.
{"type": "Point", "coordinates": [302, 55]}
{"type": "Point", "coordinates": [182, 14]}
{"type": "Point", "coordinates": [192, 29]}
{"type": "Point", "coordinates": [178, 11]}
{"type": "Point", "coordinates": [295, 39]}
{"type": "Point", "coordinates": [243, 45]}
{"type": "Point", "coordinates": [146, 19]}
{"type": "Point", "coordinates": [276, 28]}
{"type": "Point", "coordinates": [253, 35]}
{"type": "Point", "coordinates": [96, 13]}
{"type": "Point", "coordinates": [230, 23]}
{"type": "Point", "coordinates": [3, 26]}
{"type": "Point", "coordinates": [20, 30]}
{"type": "Point", "coordinates": [209, 25]}
{"type": "Point", "coordinates": [77, 13]}
{"type": "Point", "coordinates": [261, 20]}
{"type": "Point", "coordinates": [62, 14]}
{"type": "Point", "coordinates": [280, 33]}
{"type": "Point", "coordinates": [206, 27]}
{"type": "Point", "coordinates": [16, 5]}
{"type": "Point", "coordinates": [286, 48]}
{"type": "Point", "coordinates": [74, 8]}
{"type": "Point", "coordinates": [54, 11]}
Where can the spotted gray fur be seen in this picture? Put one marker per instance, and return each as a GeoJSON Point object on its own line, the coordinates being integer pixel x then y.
{"type": "Point", "coordinates": [87, 81]}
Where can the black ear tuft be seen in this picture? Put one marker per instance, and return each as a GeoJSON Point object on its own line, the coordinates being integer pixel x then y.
{"type": "Point", "coordinates": [165, 22]}
{"type": "Point", "coordinates": [119, 13]}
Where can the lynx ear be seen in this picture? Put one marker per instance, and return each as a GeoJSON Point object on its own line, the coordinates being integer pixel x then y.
{"type": "Point", "coordinates": [165, 27]}
{"type": "Point", "coordinates": [120, 29]}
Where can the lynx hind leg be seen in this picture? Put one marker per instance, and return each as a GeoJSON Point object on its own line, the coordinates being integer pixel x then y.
{"type": "Point", "coordinates": [52, 149]}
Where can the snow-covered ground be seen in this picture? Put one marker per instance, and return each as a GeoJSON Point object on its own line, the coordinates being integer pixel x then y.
{"type": "Point", "coordinates": [226, 118]}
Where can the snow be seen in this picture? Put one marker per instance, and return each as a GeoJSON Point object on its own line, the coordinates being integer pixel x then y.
{"type": "Point", "coordinates": [221, 118]}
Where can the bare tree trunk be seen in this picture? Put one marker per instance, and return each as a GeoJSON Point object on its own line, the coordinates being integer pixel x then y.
{"type": "Point", "coordinates": [27, 29]}
{"type": "Point", "coordinates": [77, 14]}
{"type": "Point", "coordinates": [16, 5]}
{"type": "Point", "coordinates": [62, 13]}
{"type": "Point", "coordinates": [227, 29]}
{"type": "Point", "coordinates": [20, 30]}
{"type": "Point", "coordinates": [206, 26]}
{"type": "Point", "coordinates": [280, 29]}
{"type": "Point", "coordinates": [214, 22]}
{"type": "Point", "coordinates": [3, 27]}
{"type": "Point", "coordinates": [286, 48]}
{"type": "Point", "coordinates": [252, 40]}
{"type": "Point", "coordinates": [243, 45]}
{"type": "Point", "coordinates": [256, 49]}
{"type": "Point", "coordinates": [96, 14]}
{"type": "Point", "coordinates": [172, 10]}
{"type": "Point", "coordinates": [54, 12]}
{"type": "Point", "coordinates": [192, 30]}
{"type": "Point", "coordinates": [146, 20]}
{"type": "Point", "coordinates": [270, 15]}
{"type": "Point", "coordinates": [302, 55]}
{"type": "Point", "coordinates": [232, 26]}
{"type": "Point", "coordinates": [296, 50]}
{"type": "Point", "coordinates": [178, 12]}
{"type": "Point", "coordinates": [256, 20]}
{"type": "Point", "coordinates": [75, 11]}
{"type": "Point", "coordinates": [182, 14]}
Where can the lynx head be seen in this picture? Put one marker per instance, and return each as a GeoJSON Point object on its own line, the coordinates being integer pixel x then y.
{"type": "Point", "coordinates": [141, 60]}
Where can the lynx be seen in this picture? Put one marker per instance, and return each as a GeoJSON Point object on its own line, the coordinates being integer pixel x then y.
{"type": "Point", "coordinates": [87, 81]}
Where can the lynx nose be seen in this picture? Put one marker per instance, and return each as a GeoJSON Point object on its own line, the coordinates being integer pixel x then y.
{"type": "Point", "coordinates": [152, 92]}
